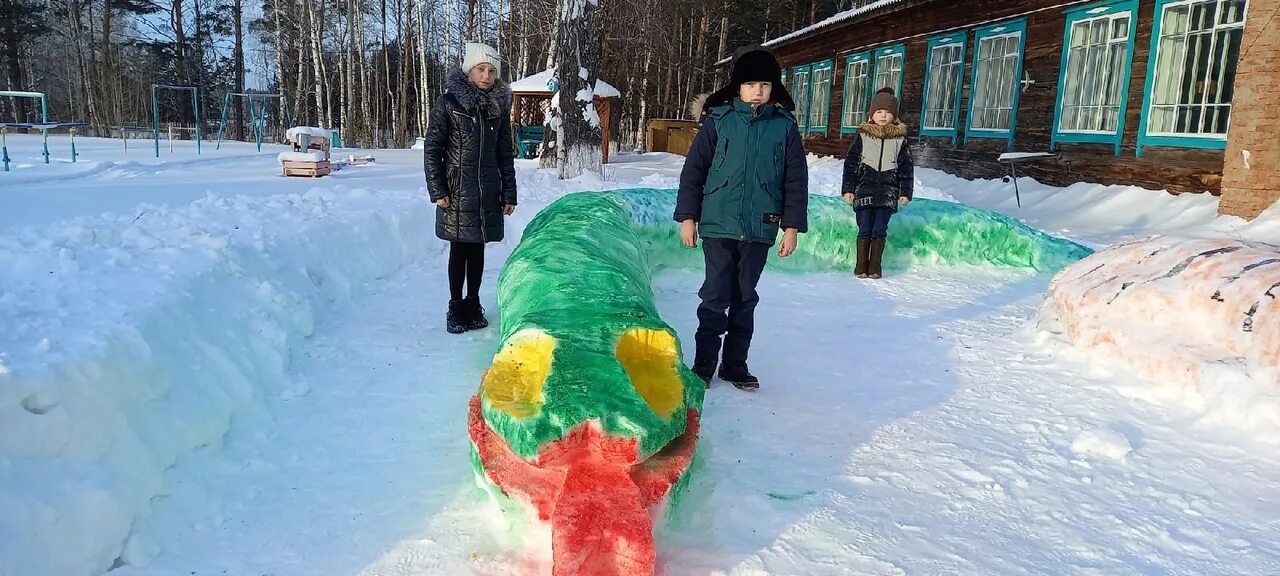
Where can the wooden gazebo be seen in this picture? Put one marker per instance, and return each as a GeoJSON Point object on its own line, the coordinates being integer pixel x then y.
{"type": "Point", "coordinates": [530, 98]}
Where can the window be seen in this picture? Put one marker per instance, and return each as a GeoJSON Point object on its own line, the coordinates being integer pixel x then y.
{"type": "Point", "coordinates": [1093, 88]}
{"type": "Point", "coordinates": [857, 68]}
{"type": "Point", "coordinates": [1194, 54]}
{"type": "Point", "coordinates": [784, 78]}
{"type": "Point", "coordinates": [820, 102]}
{"type": "Point", "coordinates": [888, 73]}
{"type": "Point", "coordinates": [943, 77]}
{"type": "Point", "coordinates": [997, 79]}
{"type": "Point", "coordinates": [800, 94]}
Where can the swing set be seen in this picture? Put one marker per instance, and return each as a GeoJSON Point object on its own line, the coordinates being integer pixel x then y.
{"type": "Point", "coordinates": [155, 110]}
{"type": "Point", "coordinates": [44, 126]}
{"type": "Point", "coordinates": [257, 103]}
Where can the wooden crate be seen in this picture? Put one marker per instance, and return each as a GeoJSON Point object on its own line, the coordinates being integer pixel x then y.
{"type": "Point", "coordinates": [300, 168]}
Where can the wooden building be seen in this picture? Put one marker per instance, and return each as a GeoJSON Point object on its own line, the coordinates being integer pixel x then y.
{"type": "Point", "coordinates": [1124, 91]}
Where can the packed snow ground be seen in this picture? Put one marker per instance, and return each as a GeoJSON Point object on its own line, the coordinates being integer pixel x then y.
{"type": "Point", "coordinates": [232, 372]}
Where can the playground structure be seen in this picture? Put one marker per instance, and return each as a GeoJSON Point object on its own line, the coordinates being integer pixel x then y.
{"type": "Point", "coordinates": [44, 126]}
{"type": "Point", "coordinates": [258, 117]}
{"type": "Point", "coordinates": [155, 111]}
{"type": "Point", "coordinates": [310, 155]}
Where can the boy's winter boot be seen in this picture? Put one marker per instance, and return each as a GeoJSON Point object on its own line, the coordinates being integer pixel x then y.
{"type": "Point", "coordinates": [738, 375]}
{"type": "Point", "coordinates": [475, 315]}
{"type": "Point", "coordinates": [704, 359]}
{"type": "Point", "coordinates": [456, 318]}
{"type": "Point", "coordinates": [864, 254]}
{"type": "Point", "coordinates": [877, 253]}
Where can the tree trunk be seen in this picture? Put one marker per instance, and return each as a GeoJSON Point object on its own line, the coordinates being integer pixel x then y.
{"type": "Point", "coordinates": [317, 62]}
{"type": "Point", "coordinates": [578, 138]}
{"type": "Point", "coordinates": [425, 97]}
{"type": "Point", "coordinates": [108, 82]}
{"type": "Point", "coordinates": [13, 57]}
{"type": "Point", "coordinates": [179, 43]}
{"type": "Point", "coordinates": [641, 129]}
{"type": "Point", "coordinates": [365, 110]}
{"type": "Point", "coordinates": [237, 15]}
{"type": "Point", "coordinates": [553, 39]}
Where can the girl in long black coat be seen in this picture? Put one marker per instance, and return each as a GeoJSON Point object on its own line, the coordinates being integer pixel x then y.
{"type": "Point", "coordinates": [471, 177]}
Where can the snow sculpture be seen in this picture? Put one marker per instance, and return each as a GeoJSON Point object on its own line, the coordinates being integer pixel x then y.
{"type": "Point", "coordinates": [1174, 308]}
{"type": "Point", "coordinates": [587, 414]}
{"type": "Point", "coordinates": [925, 233]}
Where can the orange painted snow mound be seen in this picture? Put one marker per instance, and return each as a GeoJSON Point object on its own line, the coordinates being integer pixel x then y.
{"type": "Point", "coordinates": [1201, 315]}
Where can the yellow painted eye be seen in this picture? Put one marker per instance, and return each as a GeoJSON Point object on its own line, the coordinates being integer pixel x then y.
{"type": "Point", "coordinates": [650, 357]}
{"type": "Point", "coordinates": [514, 381]}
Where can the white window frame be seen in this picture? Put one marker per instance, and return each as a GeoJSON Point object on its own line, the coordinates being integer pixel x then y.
{"type": "Point", "coordinates": [1157, 75]}
{"type": "Point", "coordinates": [953, 70]}
{"type": "Point", "coordinates": [857, 68]}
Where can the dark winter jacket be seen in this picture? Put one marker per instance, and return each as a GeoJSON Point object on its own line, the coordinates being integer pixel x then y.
{"type": "Point", "coordinates": [469, 160]}
{"type": "Point", "coordinates": [878, 169]}
{"type": "Point", "coordinates": [746, 175]}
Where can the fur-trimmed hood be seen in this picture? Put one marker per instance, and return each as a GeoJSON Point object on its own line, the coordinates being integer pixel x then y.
{"type": "Point", "coordinates": [886, 132]}
{"type": "Point", "coordinates": [497, 101]}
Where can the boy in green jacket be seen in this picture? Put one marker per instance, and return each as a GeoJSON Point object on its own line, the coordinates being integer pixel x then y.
{"type": "Point", "coordinates": [744, 180]}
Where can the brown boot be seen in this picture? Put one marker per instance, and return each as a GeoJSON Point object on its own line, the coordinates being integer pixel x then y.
{"type": "Point", "coordinates": [877, 252]}
{"type": "Point", "coordinates": [864, 254]}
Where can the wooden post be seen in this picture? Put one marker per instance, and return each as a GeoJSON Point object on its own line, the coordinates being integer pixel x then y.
{"type": "Point", "coordinates": [605, 121]}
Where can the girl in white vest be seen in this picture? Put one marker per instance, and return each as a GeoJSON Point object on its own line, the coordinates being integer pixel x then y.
{"type": "Point", "coordinates": [878, 178]}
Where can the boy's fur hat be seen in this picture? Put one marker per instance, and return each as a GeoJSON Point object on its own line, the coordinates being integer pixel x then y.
{"type": "Point", "coordinates": [753, 63]}
{"type": "Point", "coordinates": [884, 100]}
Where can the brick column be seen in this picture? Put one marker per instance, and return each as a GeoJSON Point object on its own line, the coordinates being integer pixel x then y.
{"type": "Point", "coordinates": [1251, 186]}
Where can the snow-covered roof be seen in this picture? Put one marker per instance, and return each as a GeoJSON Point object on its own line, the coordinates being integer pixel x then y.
{"type": "Point", "coordinates": [834, 19]}
{"type": "Point", "coordinates": [309, 130]}
{"type": "Point", "coordinates": [538, 83]}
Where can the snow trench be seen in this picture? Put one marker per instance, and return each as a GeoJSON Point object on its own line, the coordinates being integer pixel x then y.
{"type": "Point", "coordinates": [131, 341]}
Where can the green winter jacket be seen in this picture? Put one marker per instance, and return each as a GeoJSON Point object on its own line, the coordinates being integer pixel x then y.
{"type": "Point", "coordinates": [746, 175]}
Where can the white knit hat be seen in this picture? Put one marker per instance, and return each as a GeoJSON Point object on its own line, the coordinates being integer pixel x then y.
{"type": "Point", "coordinates": [479, 54]}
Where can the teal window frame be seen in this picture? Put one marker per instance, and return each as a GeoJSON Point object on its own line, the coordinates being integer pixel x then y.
{"type": "Point", "coordinates": [849, 60]}
{"type": "Point", "coordinates": [960, 38]}
{"type": "Point", "coordinates": [802, 119]}
{"type": "Point", "coordinates": [1019, 25]}
{"type": "Point", "coordinates": [1212, 142]}
{"type": "Point", "coordinates": [1090, 12]}
{"type": "Point", "coordinates": [830, 67]}
{"type": "Point", "coordinates": [899, 49]}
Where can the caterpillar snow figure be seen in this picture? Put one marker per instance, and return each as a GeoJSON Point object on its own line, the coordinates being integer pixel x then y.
{"type": "Point", "coordinates": [588, 413]}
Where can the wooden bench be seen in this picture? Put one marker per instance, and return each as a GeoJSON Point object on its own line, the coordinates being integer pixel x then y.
{"type": "Point", "coordinates": [528, 138]}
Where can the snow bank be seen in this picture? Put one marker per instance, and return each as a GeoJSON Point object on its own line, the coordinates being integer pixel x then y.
{"type": "Point", "coordinates": [130, 341]}
{"type": "Point", "coordinates": [1201, 317]}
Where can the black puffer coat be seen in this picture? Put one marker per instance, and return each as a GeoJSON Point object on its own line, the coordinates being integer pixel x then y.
{"type": "Point", "coordinates": [470, 160]}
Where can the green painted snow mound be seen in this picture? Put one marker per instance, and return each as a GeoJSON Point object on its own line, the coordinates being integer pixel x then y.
{"type": "Point", "coordinates": [925, 233]}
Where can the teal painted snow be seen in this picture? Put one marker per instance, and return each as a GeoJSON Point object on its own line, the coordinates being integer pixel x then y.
{"type": "Point", "coordinates": [925, 233]}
